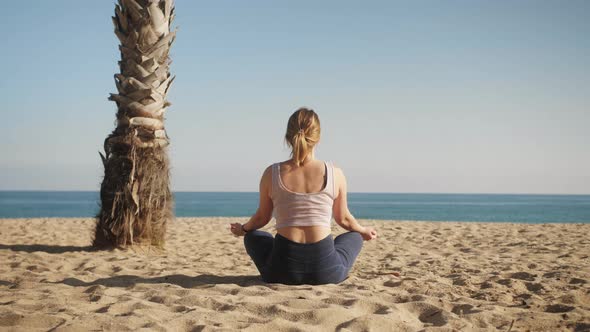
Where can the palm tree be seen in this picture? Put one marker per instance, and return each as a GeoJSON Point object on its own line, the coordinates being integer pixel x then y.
{"type": "Point", "coordinates": [136, 202]}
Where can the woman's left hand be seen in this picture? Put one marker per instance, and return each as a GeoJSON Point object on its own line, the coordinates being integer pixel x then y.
{"type": "Point", "coordinates": [236, 229]}
{"type": "Point", "coordinates": [369, 233]}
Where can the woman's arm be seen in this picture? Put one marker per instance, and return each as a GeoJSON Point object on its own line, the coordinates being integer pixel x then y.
{"type": "Point", "coordinates": [340, 210]}
{"type": "Point", "coordinates": [265, 207]}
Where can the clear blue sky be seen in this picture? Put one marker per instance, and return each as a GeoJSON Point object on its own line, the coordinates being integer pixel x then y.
{"type": "Point", "coordinates": [428, 96]}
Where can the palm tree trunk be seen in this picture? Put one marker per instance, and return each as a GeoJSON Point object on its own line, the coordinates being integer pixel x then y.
{"type": "Point", "coordinates": [136, 202]}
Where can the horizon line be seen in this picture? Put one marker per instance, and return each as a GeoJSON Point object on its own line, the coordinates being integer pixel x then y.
{"type": "Point", "coordinates": [350, 192]}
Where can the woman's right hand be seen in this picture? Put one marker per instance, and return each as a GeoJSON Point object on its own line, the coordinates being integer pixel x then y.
{"type": "Point", "coordinates": [236, 229]}
{"type": "Point", "coordinates": [369, 233]}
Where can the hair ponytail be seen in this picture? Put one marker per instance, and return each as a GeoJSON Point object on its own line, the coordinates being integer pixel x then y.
{"type": "Point", "coordinates": [300, 148]}
{"type": "Point", "coordinates": [303, 133]}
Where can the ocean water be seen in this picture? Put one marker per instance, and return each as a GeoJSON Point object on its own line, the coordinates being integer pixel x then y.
{"type": "Point", "coordinates": [398, 206]}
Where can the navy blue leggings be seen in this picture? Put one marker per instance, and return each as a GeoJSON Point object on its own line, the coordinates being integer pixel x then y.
{"type": "Point", "coordinates": [280, 260]}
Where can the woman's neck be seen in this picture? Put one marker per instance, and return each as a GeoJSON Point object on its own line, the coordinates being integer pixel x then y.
{"type": "Point", "coordinates": [310, 157]}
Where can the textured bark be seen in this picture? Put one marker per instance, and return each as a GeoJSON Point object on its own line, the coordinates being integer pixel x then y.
{"type": "Point", "coordinates": [136, 202]}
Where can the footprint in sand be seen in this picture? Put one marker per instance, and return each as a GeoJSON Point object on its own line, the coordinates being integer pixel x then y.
{"type": "Point", "coordinates": [32, 322]}
{"type": "Point", "coordinates": [428, 313]}
{"type": "Point", "coordinates": [102, 310]}
{"type": "Point", "coordinates": [485, 285]}
{"type": "Point", "coordinates": [534, 287]}
{"type": "Point", "coordinates": [460, 282]}
{"type": "Point", "coordinates": [36, 268]}
{"type": "Point", "coordinates": [373, 323]}
{"type": "Point", "coordinates": [95, 292]}
{"type": "Point", "coordinates": [523, 276]}
{"type": "Point", "coordinates": [581, 327]}
{"type": "Point", "coordinates": [464, 309]}
{"type": "Point", "coordinates": [558, 308]}
{"type": "Point", "coordinates": [181, 308]}
{"type": "Point", "coordinates": [340, 301]}
{"type": "Point", "coordinates": [160, 299]}
{"type": "Point", "coordinates": [578, 281]}
{"type": "Point", "coordinates": [392, 283]}
{"type": "Point", "coordinates": [382, 310]}
{"type": "Point", "coordinates": [434, 317]}
{"type": "Point", "coordinates": [553, 274]}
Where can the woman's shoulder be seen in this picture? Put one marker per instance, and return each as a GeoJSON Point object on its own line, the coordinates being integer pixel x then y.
{"type": "Point", "coordinates": [268, 169]}
{"type": "Point", "coordinates": [338, 173]}
{"type": "Point", "coordinates": [334, 166]}
{"type": "Point", "coordinates": [336, 170]}
{"type": "Point", "coordinates": [266, 178]}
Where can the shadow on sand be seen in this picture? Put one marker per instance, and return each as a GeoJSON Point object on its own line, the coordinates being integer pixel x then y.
{"type": "Point", "coordinates": [45, 248]}
{"type": "Point", "coordinates": [131, 280]}
{"type": "Point", "coordinates": [176, 279]}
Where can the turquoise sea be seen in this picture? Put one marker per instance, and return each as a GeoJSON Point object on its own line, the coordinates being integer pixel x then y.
{"type": "Point", "coordinates": [398, 206]}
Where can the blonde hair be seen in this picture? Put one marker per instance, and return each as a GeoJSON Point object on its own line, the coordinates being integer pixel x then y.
{"type": "Point", "coordinates": [303, 133]}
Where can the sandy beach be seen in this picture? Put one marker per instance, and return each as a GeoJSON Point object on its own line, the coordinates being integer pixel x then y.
{"type": "Point", "coordinates": [417, 276]}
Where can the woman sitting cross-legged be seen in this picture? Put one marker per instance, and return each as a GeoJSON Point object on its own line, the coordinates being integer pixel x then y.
{"type": "Point", "coordinates": [304, 193]}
